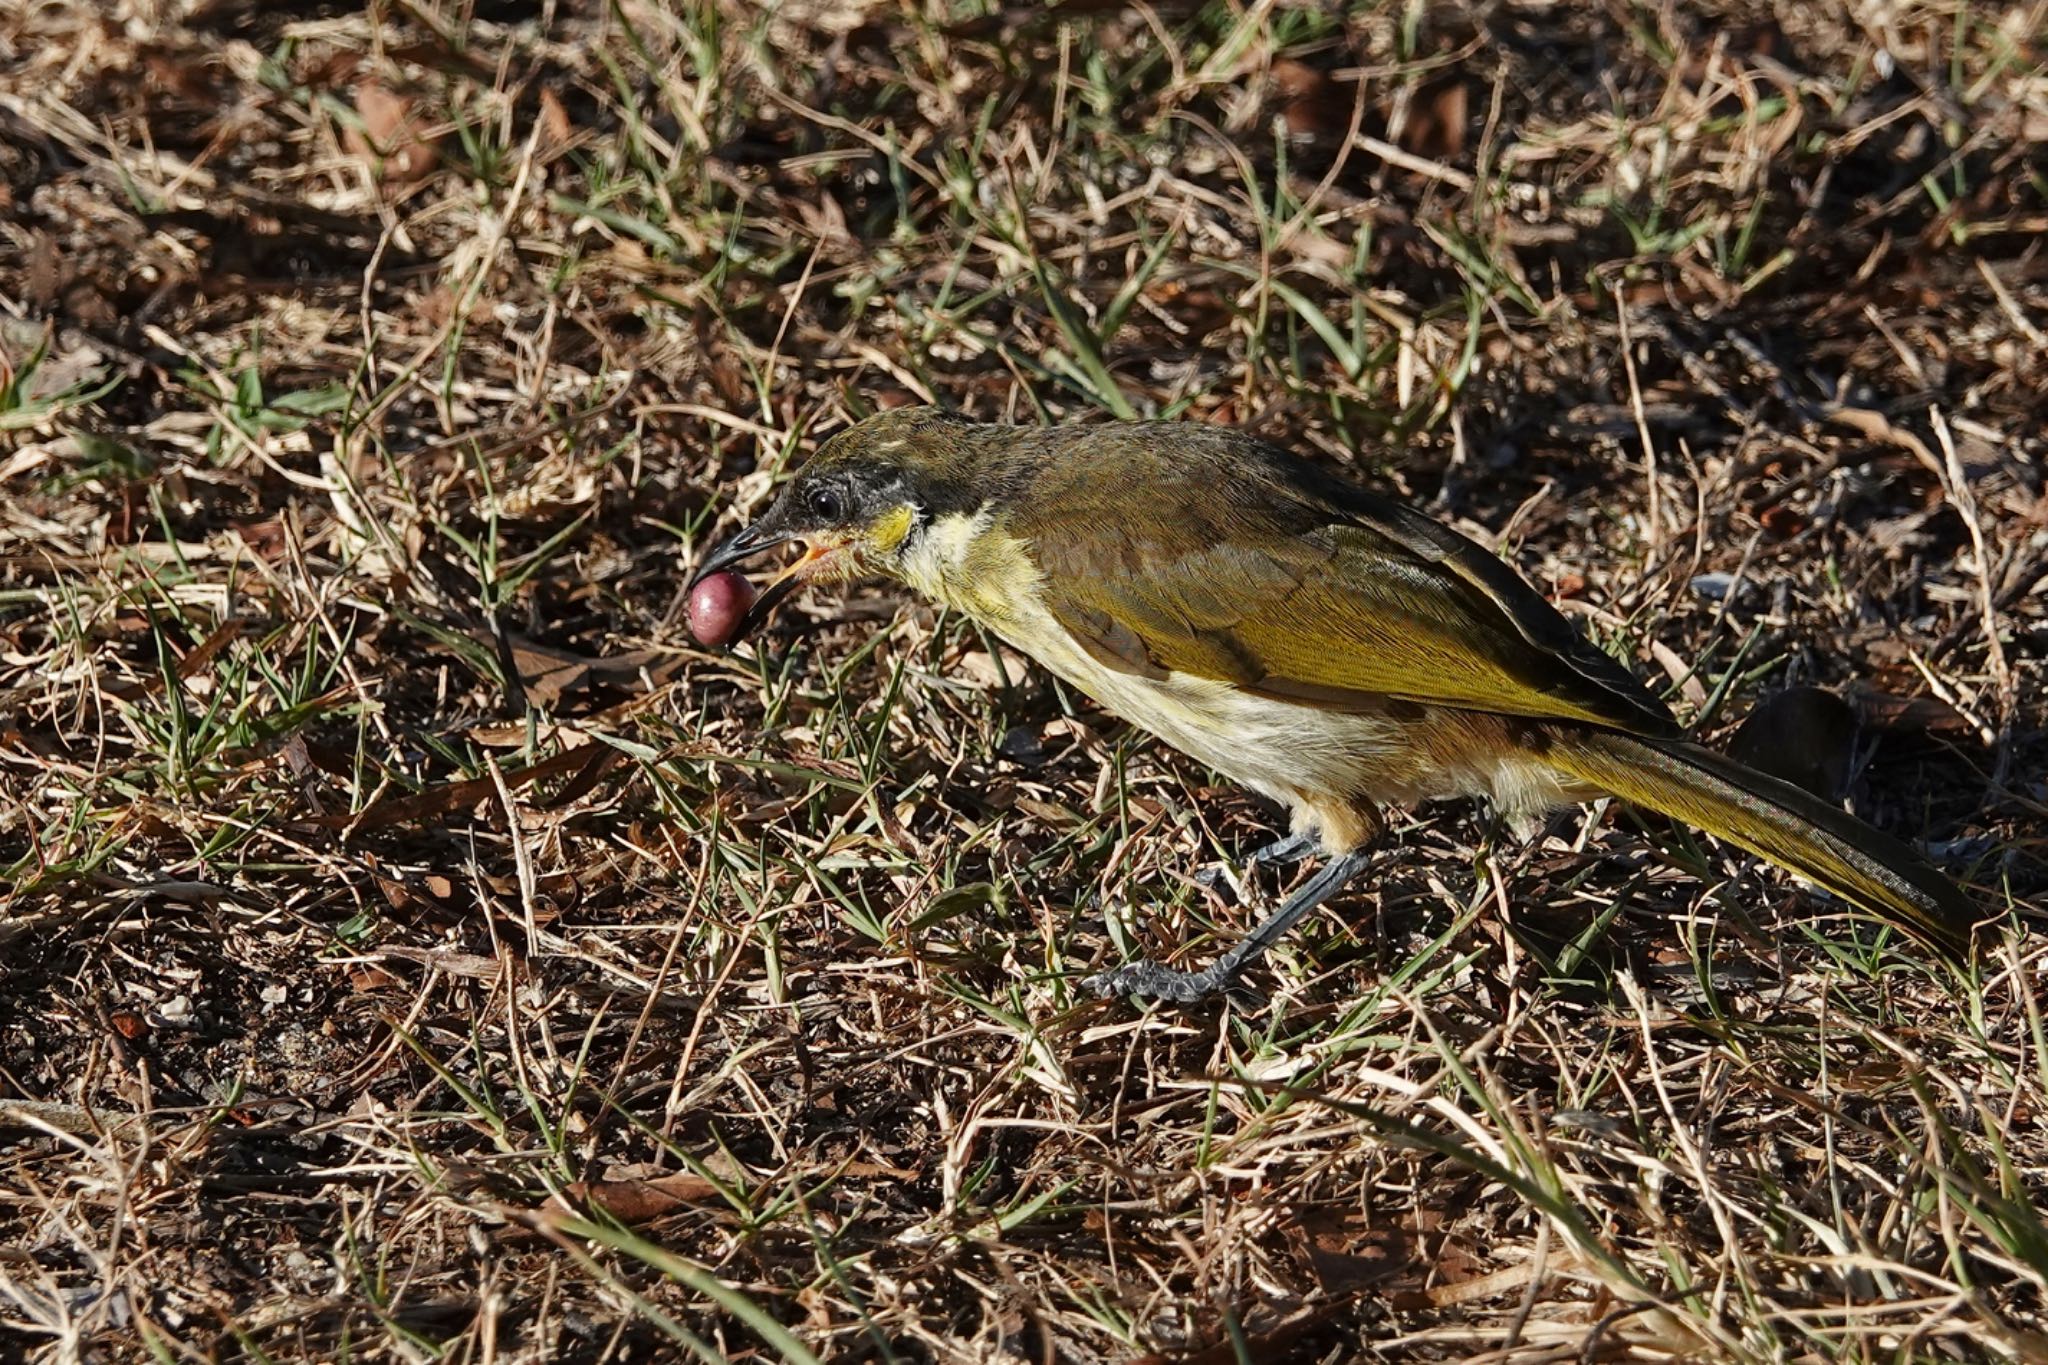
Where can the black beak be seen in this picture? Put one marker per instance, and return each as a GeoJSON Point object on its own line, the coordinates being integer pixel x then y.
{"type": "Point", "coordinates": [757, 539]}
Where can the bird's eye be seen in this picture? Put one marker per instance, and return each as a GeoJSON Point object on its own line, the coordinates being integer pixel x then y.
{"type": "Point", "coordinates": [826, 504]}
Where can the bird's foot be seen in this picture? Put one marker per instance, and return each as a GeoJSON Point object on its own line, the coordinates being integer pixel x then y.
{"type": "Point", "coordinates": [1146, 977]}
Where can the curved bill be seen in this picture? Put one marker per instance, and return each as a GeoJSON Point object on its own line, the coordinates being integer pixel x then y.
{"type": "Point", "coordinates": [750, 541]}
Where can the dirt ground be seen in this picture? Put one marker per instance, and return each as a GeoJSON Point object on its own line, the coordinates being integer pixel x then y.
{"type": "Point", "coordinates": [414, 948]}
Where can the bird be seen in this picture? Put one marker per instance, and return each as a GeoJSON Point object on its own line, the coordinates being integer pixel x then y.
{"type": "Point", "coordinates": [1335, 651]}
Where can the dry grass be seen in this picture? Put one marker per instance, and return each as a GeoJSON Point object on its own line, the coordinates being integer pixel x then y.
{"type": "Point", "coordinates": [413, 948]}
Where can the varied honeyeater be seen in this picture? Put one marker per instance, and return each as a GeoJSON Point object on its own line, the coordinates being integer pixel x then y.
{"type": "Point", "coordinates": [1336, 651]}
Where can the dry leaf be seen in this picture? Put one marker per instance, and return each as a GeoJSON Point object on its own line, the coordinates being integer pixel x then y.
{"type": "Point", "coordinates": [638, 1201]}
{"type": "Point", "coordinates": [1802, 735]}
{"type": "Point", "coordinates": [1437, 119]}
{"type": "Point", "coordinates": [392, 138]}
{"type": "Point", "coordinates": [366, 977]}
{"type": "Point", "coordinates": [555, 128]}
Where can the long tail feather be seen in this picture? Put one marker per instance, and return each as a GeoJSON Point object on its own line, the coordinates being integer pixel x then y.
{"type": "Point", "coordinates": [1778, 821]}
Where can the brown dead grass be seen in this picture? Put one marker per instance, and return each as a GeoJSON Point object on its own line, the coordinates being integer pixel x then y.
{"type": "Point", "coordinates": [414, 948]}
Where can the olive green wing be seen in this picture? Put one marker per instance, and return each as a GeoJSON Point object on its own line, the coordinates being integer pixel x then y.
{"type": "Point", "coordinates": [1257, 571]}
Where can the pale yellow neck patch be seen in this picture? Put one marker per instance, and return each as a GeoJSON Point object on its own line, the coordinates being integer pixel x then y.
{"type": "Point", "coordinates": [963, 561]}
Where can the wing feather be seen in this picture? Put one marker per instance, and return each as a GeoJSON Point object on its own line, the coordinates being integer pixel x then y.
{"type": "Point", "coordinates": [1249, 566]}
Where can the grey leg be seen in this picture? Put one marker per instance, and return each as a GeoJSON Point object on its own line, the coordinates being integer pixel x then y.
{"type": "Point", "coordinates": [1146, 977]}
{"type": "Point", "coordinates": [1282, 852]}
{"type": "Point", "coordinates": [1279, 853]}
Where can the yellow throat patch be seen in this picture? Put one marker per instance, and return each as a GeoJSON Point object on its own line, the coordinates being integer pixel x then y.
{"type": "Point", "coordinates": [891, 527]}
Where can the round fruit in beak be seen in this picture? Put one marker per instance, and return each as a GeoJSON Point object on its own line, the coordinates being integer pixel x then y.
{"type": "Point", "coordinates": [718, 604]}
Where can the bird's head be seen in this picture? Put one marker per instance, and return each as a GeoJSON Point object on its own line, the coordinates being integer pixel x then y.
{"type": "Point", "coordinates": [863, 503]}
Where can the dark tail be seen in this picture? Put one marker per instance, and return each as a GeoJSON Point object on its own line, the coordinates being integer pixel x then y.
{"type": "Point", "coordinates": [1778, 821]}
